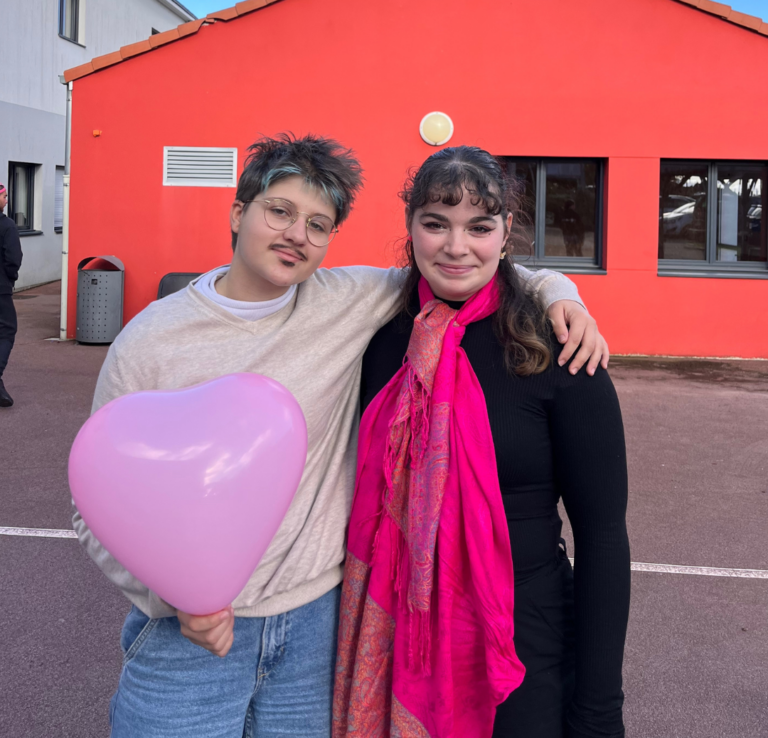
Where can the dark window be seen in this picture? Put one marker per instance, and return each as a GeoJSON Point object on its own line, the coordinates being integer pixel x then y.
{"type": "Point", "coordinates": [69, 11]}
{"type": "Point", "coordinates": [563, 208]}
{"type": "Point", "coordinates": [712, 218]}
{"type": "Point", "coordinates": [155, 32]}
{"type": "Point", "coordinates": [21, 195]}
{"type": "Point", "coordinates": [58, 203]}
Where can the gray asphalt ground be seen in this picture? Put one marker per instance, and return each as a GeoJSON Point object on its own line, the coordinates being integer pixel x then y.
{"type": "Point", "coordinates": [697, 650]}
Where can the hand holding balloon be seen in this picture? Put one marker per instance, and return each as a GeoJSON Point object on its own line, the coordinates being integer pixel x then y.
{"type": "Point", "coordinates": [215, 633]}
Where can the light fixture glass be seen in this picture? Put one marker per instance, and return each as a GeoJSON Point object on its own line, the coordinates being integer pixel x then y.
{"type": "Point", "coordinates": [436, 128]}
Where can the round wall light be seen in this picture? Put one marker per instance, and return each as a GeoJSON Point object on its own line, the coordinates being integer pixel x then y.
{"type": "Point", "coordinates": [436, 128]}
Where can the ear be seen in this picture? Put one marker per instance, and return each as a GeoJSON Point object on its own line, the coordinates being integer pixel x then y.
{"type": "Point", "coordinates": [507, 228]}
{"type": "Point", "coordinates": [236, 215]}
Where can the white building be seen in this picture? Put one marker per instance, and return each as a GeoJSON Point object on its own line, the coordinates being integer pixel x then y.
{"type": "Point", "coordinates": [39, 39]}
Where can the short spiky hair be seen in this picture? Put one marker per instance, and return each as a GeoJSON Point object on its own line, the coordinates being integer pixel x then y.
{"type": "Point", "coordinates": [323, 163]}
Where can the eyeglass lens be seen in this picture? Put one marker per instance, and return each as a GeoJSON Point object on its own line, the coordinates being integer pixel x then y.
{"type": "Point", "coordinates": [281, 214]}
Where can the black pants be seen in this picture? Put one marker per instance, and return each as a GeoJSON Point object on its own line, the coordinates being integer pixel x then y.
{"type": "Point", "coordinates": [544, 641]}
{"type": "Point", "coordinates": [8, 326]}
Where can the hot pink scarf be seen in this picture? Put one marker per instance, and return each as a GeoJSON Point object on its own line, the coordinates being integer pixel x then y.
{"type": "Point", "coordinates": [425, 638]}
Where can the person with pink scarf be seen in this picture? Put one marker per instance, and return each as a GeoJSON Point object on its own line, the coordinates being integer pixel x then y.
{"type": "Point", "coordinates": [461, 616]}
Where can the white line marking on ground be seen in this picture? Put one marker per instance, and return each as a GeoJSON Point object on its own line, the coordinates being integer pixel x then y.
{"type": "Point", "coordinates": [38, 532]}
{"type": "Point", "coordinates": [707, 571]}
{"type": "Point", "coordinates": [702, 571]}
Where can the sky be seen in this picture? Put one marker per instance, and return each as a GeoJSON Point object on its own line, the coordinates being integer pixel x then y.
{"type": "Point", "coordinates": [203, 7]}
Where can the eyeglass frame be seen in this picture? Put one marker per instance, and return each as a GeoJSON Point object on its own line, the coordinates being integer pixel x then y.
{"type": "Point", "coordinates": [298, 213]}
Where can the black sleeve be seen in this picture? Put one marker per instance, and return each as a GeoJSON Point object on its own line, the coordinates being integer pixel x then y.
{"type": "Point", "coordinates": [591, 474]}
{"type": "Point", "coordinates": [11, 253]}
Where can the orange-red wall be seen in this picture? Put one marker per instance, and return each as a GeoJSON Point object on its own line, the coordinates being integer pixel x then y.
{"type": "Point", "coordinates": [631, 81]}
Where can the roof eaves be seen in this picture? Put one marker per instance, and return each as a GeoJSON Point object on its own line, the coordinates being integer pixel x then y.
{"type": "Point", "coordinates": [160, 39]}
{"type": "Point", "coordinates": [140, 47]}
{"type": "Point", "coordinates": [223, 15]}
{"type": "Point", "coordinates": [751, 22]}
{"type": "Point", "coordinates": [187, 29]}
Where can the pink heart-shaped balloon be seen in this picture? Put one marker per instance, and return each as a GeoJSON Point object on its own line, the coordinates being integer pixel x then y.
{"type": "Point", "coordinates": [186, 488]}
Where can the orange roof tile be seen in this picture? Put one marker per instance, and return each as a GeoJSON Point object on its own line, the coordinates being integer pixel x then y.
{"type": "Point", "coordinates": [248, 6]}
{"type": "Point", "coordinates": [223, 15]}
{"type": "Point", "coordinates": [77, 72]}
{"type": "Point", "coordinates": [106, 61]}
{"type": "Point", "coordinates": [186, 29]}
{"type": "Point", "coordinates": [140, 47]}
{"type": "Point", "coordinates": [748, 21]}
{"type": "Point", "coordinates": [158, 39]}
{"type": "Point", "coordinates": [715, 8]}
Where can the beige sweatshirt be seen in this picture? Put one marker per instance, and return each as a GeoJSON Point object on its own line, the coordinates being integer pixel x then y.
{"type": "Point", "coordinates": [313, 346]}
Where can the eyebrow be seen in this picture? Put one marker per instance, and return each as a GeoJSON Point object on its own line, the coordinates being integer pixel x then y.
{"type": "Point", "coordinates": [443, 219]}
{"type": "Point", "coordinates": [291, 202]}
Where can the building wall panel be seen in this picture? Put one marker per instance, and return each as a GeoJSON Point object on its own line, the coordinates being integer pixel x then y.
{"type": "Point", "coordinates": [629, 82]}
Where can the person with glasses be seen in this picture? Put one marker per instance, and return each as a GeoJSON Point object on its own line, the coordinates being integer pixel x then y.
{"type": "Point", "coordinates": [265, 666]}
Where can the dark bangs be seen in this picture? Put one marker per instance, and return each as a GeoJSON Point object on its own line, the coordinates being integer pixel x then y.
{"type": "Point", "coordinates": [446, 178]}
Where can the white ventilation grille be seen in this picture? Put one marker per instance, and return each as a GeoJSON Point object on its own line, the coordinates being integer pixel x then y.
{"type": "Point", "coordinates": [189, 166]}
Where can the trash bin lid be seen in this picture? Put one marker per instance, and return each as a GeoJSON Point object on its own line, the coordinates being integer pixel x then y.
{"type": "Point", "coordinates": [101, 263]}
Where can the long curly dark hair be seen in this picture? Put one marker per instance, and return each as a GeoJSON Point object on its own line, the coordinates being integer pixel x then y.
{"type": "Point", "coordinates": [520, 323]}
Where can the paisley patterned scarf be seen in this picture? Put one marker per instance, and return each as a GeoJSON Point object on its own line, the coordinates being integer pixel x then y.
{"type": "Point", "coordinates": [425, 638]}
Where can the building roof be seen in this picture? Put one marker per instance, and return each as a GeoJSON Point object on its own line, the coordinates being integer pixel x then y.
{"type": "Point", "coordinates": [751, 22]}
{"type": "Point", "coordinates": [179, 9]}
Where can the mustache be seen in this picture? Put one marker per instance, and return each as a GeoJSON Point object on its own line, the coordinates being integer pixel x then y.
{"type": "Point", "coordinates": [283, 247]}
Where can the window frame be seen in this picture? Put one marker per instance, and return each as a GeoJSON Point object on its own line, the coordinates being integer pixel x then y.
{"type": "Point", "coordinates": [31, 171]}
{"type": "Point", "coordinates": [569, 264]}
{"type": "Point", "coordinates": [711, 266]}
{"type": "Point", "coordinates": [75, 7]}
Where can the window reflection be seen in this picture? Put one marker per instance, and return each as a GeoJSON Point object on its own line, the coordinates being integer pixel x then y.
{"type": "Point", "coordinates": [741, 212]}
{"type": "Point", "coordinates": [524, 171]}
{"type": "Point", "coordinates": [21, 194]}
{"type": "Point", "coordinates": [571, 210]}
{"type": "Point", "coordinates": [683, 211]}
{"type": "Point", "coordinates": [568, 208]}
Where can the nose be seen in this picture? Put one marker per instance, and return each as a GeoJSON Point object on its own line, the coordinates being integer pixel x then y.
{"type": "Point", "coordinates": [297, 232]}
{"type": "Point", "coordinates": [456, 244]}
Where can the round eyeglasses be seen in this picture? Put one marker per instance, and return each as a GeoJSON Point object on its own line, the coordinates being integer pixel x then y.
{"type": "Point", "coordinates": [281, 214]}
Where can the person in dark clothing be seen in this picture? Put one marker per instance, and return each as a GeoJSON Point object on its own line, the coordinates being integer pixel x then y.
{"type": "Point", "coordinates": [573, 229]}
{"type": "Point", "coordinates": [556, 435]}
{"type": "Point", "coordinates": [10, 261]}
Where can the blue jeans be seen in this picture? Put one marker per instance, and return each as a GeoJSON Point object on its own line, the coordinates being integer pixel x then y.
{"type": "Point", "coordinates": [277, 679]}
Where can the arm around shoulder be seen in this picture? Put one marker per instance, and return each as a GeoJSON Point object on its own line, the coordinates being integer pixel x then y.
{"type": "Point", "coordinates": [547, 286]}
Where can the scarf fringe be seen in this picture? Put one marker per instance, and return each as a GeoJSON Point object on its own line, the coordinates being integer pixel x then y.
{"type": "Point", "coordinates": [410, 428]}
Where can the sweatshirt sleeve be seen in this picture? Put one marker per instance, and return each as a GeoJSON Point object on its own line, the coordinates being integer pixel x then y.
{"type": "Point", "coordinates": [112, 384]}
{"type": "Point", "coordinates": [547, 286]}
{"type": "Point", "coordinates": [591, 473]}
{"type": "Point", "coordinates": [378, 291]}
{"type": "Point", "coordinates": [11, 253]}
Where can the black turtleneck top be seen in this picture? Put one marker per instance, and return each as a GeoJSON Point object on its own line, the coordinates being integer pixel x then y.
{"type": "Point", "coordinates": [556, 436]}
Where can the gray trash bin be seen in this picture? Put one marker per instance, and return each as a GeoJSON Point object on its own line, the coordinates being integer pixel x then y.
{"type": "Point", "coordinates": [99, 299]}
